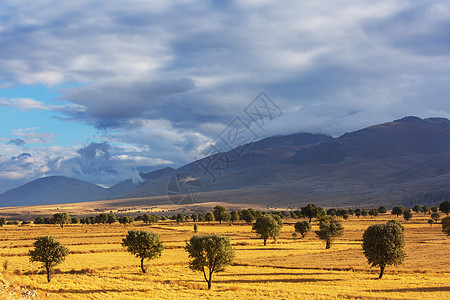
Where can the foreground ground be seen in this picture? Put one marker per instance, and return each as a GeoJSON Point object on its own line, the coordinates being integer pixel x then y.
{"type": "Point", "coordinates": [99, 268]}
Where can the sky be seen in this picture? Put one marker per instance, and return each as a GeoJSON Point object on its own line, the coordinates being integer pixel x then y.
{"type": "Point", "coordinates": [104, 90]}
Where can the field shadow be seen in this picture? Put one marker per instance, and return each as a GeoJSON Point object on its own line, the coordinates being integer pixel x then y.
{"type": "Point", "coordinates": [270, 274]}
{"type": "Point", "coordinates": [93, 291]}
{"type": "Point", "coordinates": [296, 280]}
{"type": "Point", "coordinates": [418, 290]}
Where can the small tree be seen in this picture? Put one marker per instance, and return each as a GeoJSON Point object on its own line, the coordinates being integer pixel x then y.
{"type": "Point", "coordinates": [112, 218]}
{"type": "Point", "coordinates": [267, 227]}
{"type": "Point", "coordinates": [407, 214]}
{"type": "Point", "coordinates": [143, 244]}
{"type": "Point", "coordinates": [61, 219]}
{"type": "Point", "coordinates": [435, 216]}
{"type": "Point", "coordinates": [101, 218]}
{"type": "Point", "coordinates": [383, 245]}
{"type": "Point", "coordinates": [446, 225]}
{"type": "Point", "coordinates": [194, 217]}
{"type": "Point", "coordinates": [195, 228]}
{"type": "Point", "coordinates": [210, 254]}
{"type": "Point", "coordinates": [219, 213]}
{"type": "Point", "coordinates": [180, 218]}
{"type": "Point", "coordinates": [434, 208]}
{"type": "Point", "coordinates": [49, 252]}
{"type": "Point", "coordinates": [329, 229]}
{"type": "Point", "coordinates": [75, 220]}
{"type": "Point", "coordinates": [247, 216]}
{"type": "Point", "coordinates": [382, 209]}
{"type": "Point", "coordinates": [2, 222]}
{"type": "Point", "coordinates": [398, 210]}
{"type": "Point", "coordinates": [431, 221]}
{"type": "Point", "coordinates": [145, 218]}
{"type": "Point", "coordinates": [445, 207]}
{"type": "Point", "coordinates": [126, 220]}
{"type": "Point", "coordinates": [309, 211]}
{"type": "Point", "coordinates": [234, 216]}
{"type": "Point", "coordinates": [302, 228]}
{"type": "Point", "coordinates": [417, 208]}
{"type": "Point", "coordinates": [209, 216]}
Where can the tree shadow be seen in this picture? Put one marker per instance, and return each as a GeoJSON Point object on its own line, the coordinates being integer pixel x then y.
{"type": "Point", "coordinates": [418, 290]}
{"type": "Point", "coordinates": [296, 280]}
{"type": "Point", "coordinates": [270, 274]}
{"type": "Point", "coordinates": [93, 291]}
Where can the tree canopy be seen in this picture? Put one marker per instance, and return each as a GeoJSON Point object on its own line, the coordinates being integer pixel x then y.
{"type": "Point", "coordinates": [48, 251]}
{"type": "Point", "coordinates": [268, 226]}
{"type": "Point", "coordinates": [143, 244]}
{"type": "Point", "coordinates": [329, 229]}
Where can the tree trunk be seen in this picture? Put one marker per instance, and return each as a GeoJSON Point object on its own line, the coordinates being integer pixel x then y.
{"type": "Point", "coordinates": [381, 271]}
{"type": "Point", "coordinates": [210, 281]}
{"type": "Point", "coordinates": [265, 241]}
{"type": "Point", "coordinates": [142, 265]}
{"type": "Point", "coordinates": [47, 268]}
{"type": "Point", "coordinates": [328, 245]}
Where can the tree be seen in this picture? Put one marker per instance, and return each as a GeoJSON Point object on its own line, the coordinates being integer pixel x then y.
{"type": "Point", "coordinates": [195, 228]}
{"type": "Point", "coordinates": [398, 210]}
{"type": "Point", "coordinates": [431, 221]}
{"type": "Point", "coordinates": [373, 212]}
{"type": "Point", "coordinates": [111, 218]}
{"type": "Point", "coordinates": [49, 252]}
{"type": "Point", "coordinates": [309, 211]}
{"type": "Point", "coordinates": [2, 222]}
{"type": "Point", "coordinates": [61, 219]}
{"type": "Point", "coordinates": [295, 235]}
{"type": "Point", "coordinates": [194, 217]}
{"type": "Point", "coordinates": [209, 216]}
{"type": "Point", "coordinates": [234, 216]}
{"type": "Point", "coordinates": [146, 218]}
{"type": "Point", "coordinates": [417, 208]}
{"type": "Point", "coordinates": [75, 220]}
{"type": "Point", "coordinates": [446, 225]}
{"type": "Point", "coordinates": [143, 244]}
{"type": "Point", "coordinates": [435, 216]}
{"type": "Point", "coordinates": [209, 254]}
{"type": "Point", "coordinates": [382, 209]}
{"type": "Point", "coordinates": [445, 207]}
{"type": "Point", "coordinates": [383, 245]}
{"type": "Point", "coordinates": [219, 213]}
{"type": "Point", "coordinates": [267, 227]}
{"type": "Point", "coordinates": [302, 228]}
{"type": "Point", "coordinates": [396, 223]}
{"type": "Point", "coordinates": [364, 212]}
{"type": "Point", "coordinates": [407, 214]}
{"type": "Point", "coordinates": [126, 220]}
{"type": "Point", "coordinates": [329, 229]}
{"type": "Point", "coordinates": [180, 218]}
{"type": "Point", "coordinates": [101, 218]}
{"type": "Point", "coordinates": [247, 216]}
{"type": "Point", "coordinates": [434, 208]}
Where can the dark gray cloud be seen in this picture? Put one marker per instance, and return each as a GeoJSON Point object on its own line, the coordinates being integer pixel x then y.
{"type": "Point", "coordinates": [17, 142]}
{"type": "Point", "coordinates": [167, 77]}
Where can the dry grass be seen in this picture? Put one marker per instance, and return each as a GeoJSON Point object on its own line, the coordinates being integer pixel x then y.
{"type": "Point", "coordinates": [99, 268]}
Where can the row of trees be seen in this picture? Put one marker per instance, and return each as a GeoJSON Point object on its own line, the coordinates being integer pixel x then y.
{"type": "Point", "coordinates": [383, 244]}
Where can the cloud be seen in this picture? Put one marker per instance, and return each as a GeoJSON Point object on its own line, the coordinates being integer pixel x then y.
{"type": "Point", "coordinates": [28, 136]}
{"type": "Point", "coordinates": [17, 142]}
{"type": "Point", "coordinates": [166, 77]}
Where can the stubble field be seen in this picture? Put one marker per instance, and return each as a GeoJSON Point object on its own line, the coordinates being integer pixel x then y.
{"type": "Point", "coordinates": [98, 267]}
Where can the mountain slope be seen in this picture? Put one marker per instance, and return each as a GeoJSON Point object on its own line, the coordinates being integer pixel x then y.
{"type": "Point", "coordinates": [53, 190]}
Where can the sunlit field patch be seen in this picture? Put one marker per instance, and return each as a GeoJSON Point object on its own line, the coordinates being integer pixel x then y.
{"type": "Point", "coordinates": [98, 267]}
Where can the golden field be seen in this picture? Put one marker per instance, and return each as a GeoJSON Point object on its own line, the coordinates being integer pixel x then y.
{"type": "Point", "coordinates": [99, 268]}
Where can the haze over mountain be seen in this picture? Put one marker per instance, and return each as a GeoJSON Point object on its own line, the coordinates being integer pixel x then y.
{"type": "Point", "coordinates": [379, 165]}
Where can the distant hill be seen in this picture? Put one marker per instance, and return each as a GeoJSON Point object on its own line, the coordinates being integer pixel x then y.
{"type": "Point", "coordinates": [386, 164]}
{"type": "Point", "coordinates": [53, 190]}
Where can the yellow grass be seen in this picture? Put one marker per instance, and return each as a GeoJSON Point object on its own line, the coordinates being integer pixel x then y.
{"type": "Point", "coordinates": [99, 268]}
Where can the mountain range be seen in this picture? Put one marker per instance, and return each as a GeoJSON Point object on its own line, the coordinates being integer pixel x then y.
{"type": "Point", "coordinates": [406, 161]}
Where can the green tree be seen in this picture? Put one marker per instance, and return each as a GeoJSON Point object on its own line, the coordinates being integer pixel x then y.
{"type": "Point", "coordinates": [435, 216]}
{"type": "Point", "coordinates": [434, 208]}
{"type": "Point", "coordinates": [2, 222]}
{"type": "Point", "coordinates": [407, 214]}
{"type": "Point", "coordinates": [267, 226]}
{"type": "Point", "coordinates": [446, 225]}
{"type": "Point", "coordinates": [309, 211]}
{"type": "Point", "coordinates": [382, 209]}
{"type": "Point", "coordinates": [219, 213]}
{"type": "Point", "coordinates": [49, 252]}
{"type": "Point", "coordinates": [145, 218]}
{"type": "Point", "coordinates": [61, 219]}
{"type": "Point", "coordinates": [445, 207]}
{"type": "Point", "coordinates": [143, 244]}
{"type": "Point", "coordinates": [396, 223]}
{"type": "Point", "coordinates": [398, 210]}
{"type": "Point", "coordinates": [180, 218]}
{"type": "Point", "coordinates": [364, 212]}
{"type": "Point", "coordinates": [194, 217]}
{"type": "Point", "coordinates": [417, 208]}
{"type": "Point", "coordinates": [234, 216]}
{"type": "Point", "coordinates": [112, 218]}
{"type": "Point", "coordinates": [302, 228]}
{"type": "Point", "coordinates": [383, 245]}
{"type": "Point", "coordinates": [102, 218]}
{"type": "Point", "coordinates": [75, 220]}
{"type": "Point", "coordinates": [209, 254]}
{"type": "Point", "coordinates": [126, 220]}
{"type": "Point", "coordinates": [329, 229]}
{"type": "Point", "coordinates": [431, 221]}
{"type": "Point", "coordinates": [247, 216]}
{"type": "Point", "coordinates": [209, 216]}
